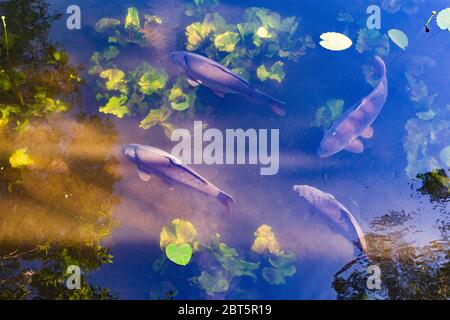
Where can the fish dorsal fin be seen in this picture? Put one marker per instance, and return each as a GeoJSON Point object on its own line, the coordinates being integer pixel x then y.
{"type": "Point", "coordinates": [356, 146]}
{"type": "Point", "coordinates": [178, 163]}
{"type": "Point", "coordinates": [220, 67]}
{"type": "Point", "coordinates": [144, 176]}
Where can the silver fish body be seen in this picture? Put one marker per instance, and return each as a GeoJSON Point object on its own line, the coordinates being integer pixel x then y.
{"type": "Point", "coordinates": [357, 121]}
{"type": "Point", "coordinates": [338, 216]}
{"type": "Point", "coordinates": [153, 161]}
{"type": "Point", "coordinates": [221, 80]}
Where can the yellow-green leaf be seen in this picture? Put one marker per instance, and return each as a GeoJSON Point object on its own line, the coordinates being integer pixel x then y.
{"type": "Point", "coordinates": [20, 158]}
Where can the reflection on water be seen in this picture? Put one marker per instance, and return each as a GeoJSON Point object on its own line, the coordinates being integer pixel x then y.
{"type": "Point", "coordinates": [76, 201]}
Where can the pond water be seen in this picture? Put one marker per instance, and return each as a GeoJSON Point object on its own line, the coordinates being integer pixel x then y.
{"type": "Point", "coordinates": [78, 201]}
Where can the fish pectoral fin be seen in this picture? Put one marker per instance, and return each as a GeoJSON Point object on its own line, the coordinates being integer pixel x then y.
{"type": "Point", "coordinates": [144, 176]}
{"type": "Point", "coordinates": [219, 93]}
{"type": "Point", "coordinates": [356, 146]}
{"type": "Point", "coordinates": [368, 133]}
{"type": "Point", "coordinates": [192, 83]}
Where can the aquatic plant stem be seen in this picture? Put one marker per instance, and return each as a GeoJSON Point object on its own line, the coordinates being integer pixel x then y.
{"type": "Point", "coordinates": [6, 37]}
{"type": "Point", "coordinates": [11, 79]}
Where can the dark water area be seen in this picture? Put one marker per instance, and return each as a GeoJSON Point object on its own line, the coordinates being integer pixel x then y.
{"type": "Point", "coordinates": [370, 185]}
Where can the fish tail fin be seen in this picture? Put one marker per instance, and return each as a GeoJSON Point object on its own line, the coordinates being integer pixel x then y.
{"type": "Point", "coordinates": [227, 201]}
{"type": "Point", "coordinates": [277, 106]}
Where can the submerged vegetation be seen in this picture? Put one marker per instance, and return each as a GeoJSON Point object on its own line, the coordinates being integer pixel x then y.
{"type": "Point", "coordinates": [54, 212]}
{"type": "Point", "coordinates": [58, 169]}
{"type": "Point", "coordinates": [408, 271]}
{"type": "Point", "coordinates": [263, 37]}
{"type": "Point", "coordinates": [144, 90]}
{"type": "Point", "coordinates": [220, 265]}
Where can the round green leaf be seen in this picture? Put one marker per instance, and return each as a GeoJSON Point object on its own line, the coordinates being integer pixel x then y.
{"type": "Point", "coordinates": [179, 254]}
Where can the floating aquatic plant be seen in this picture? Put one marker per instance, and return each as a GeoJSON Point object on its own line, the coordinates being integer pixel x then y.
{"type": "Point", "coordinates": [282, 266]}
{"type": "Point", "coordinates": [443, 19]}
{"type": "Point", "coordinates": [131, 31]}
{"type": "Point", "coordinates": [142, 87]}
{"type": "Point", "coordinates": [179, 254]}
{"type": "Point", "coordinates": [212, 284]}
{"type": "Point", "coordinates": [20, 158]}
{"type": "Point", "coordinates": [198, 7]}
{"type": "Point", "coordinates": [263, 33]}
{"type": "Point", "coordinates": [265, 240]}
{"type": "Point", "coordinates": [132, 20]}
{"type": "Point", "coordinates": [335, 41]}
{"type": "Point", "coordinates": [182, 96]}
{"type": "Point", "coordinates": [275, 72]}
{"type": "Point", "coordinates": [106, 24]}
{"type": "Point", "coordinates": [226, 41]}
{"type": "Point", "coordinates": [425, 141]}
{"type": "Point", "coordinates": [158, 117]}
{"type": "Point", "coordinates": [115, 80]}
{"type": "Point", "coordinates": [178, 232]}
{"type": "Point", "coordinates": [116, 106]}
{"type": "Point", "coordinates": [328, 114]}
{"type": "Point", "coordinates": [399, 38]}
{"type": "Point", "coordinates": [231, 266]}
{"type": "Point", "coordinates": [371, 40]}
{"type": "Point", "coordinates": [408, 7]}
{"type": "Point", "coordinates": [151, 79]}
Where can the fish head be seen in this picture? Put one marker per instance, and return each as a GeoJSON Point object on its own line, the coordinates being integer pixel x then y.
{"type": "Point", "coordinates": [310, 194]}
{"type": "Point", "coordinates": [330, 145]}
{"type": "Point", "coordinates": [129, 151]}
{"type": "Point", "coordinates": [179, 58]}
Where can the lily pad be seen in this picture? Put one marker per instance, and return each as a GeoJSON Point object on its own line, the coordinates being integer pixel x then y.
{"type": "Point", "coordinates": [266, 241]}
{"type": "Point", "coordinates": [275, 72]}
{"type": "Point", "coordinates": [179, 232]}
{"type": "Point", "coordinates": [399, 38]}
{"type": "Point", "coordinates": [20, 159]}
{"type": "Point", "coordinates": [443, 19]}
{"type": "Point", "coordinates": [179, 254]}
{"type": "Point", "coordinates": [132, 20]}
{"type": "Point", "coordinates": [335, 41]}
{"type": "Point", "coordinates": [226, 41]}
{"type": "Point", "coordinates": [116, 106]}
